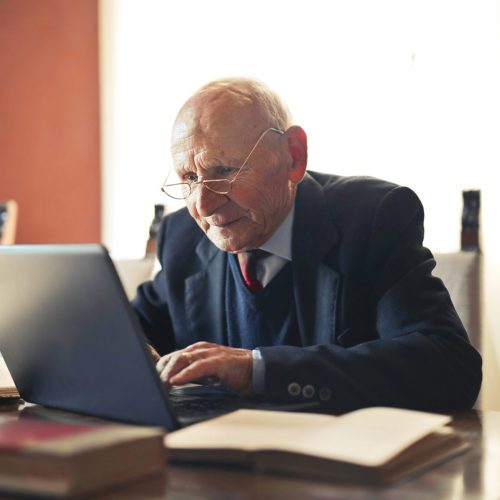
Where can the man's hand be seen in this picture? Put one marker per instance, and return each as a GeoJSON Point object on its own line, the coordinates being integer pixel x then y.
{"type": "Point", "coordinates": [204, 359]}
{"type": "Point", "coordinates": [154, 353]}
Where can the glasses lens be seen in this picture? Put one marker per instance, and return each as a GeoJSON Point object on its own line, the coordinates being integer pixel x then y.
{"type": "Point", "coordinates": [177, 191]}
{"type": "Point", "coordinates": [219, 186]}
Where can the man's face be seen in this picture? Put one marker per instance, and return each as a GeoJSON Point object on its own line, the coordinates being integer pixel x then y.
{"type": "Point", "coordinates": [210, 141]}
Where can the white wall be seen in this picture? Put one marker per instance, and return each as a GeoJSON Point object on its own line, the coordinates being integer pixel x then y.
{"type": "Point", "coordinates": [403, 90]}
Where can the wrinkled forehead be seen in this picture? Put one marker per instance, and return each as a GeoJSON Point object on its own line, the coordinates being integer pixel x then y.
{"type": "Point", "coordinates": [219, 122]}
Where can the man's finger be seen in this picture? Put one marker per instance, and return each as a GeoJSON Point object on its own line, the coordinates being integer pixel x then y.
{"type": "Point", "coordinates": [163, 361]}
{"type": "Point", "coordinates": [197, 370]}
{"type": "Point", "coordinates": [176, 363]}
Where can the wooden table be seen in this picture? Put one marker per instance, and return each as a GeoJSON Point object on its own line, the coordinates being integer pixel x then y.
{"type": "Point", "coordinates": [473, 475]}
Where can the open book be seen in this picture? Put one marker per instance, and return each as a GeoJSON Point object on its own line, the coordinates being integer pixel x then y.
{"type": "Point", "coordinates": [372, 445]}
{"type": "Point", "coordinates": [7, 386]}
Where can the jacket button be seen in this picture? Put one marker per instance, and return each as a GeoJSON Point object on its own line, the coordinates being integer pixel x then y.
{"type": "Point", "coordinates": [294, 389]}
{"type": "Point", "coordinates": [308, 391]}
{"type": "Point", "coordinates": [325, 394]}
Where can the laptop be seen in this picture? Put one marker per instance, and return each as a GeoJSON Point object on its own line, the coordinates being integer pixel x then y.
{"type": "Point", "coordinates": [72, 341]}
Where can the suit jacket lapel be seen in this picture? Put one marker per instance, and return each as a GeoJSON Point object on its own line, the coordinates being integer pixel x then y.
{"type": "Point", "coordinates": [315, 284]}
{"type": "Point", "coordinates": [204, 300]}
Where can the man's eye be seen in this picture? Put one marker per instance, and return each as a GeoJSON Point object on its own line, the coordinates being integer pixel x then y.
{"type": "Point", "coordinates": [226, 171]}
{"type": "Point", "coordinates": [190, 178]}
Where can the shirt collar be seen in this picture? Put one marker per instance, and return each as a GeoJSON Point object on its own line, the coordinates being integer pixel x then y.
{"type": "Point", "coordinates": [280, 243]}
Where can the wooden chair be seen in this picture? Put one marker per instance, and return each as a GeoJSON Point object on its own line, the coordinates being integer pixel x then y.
{"type": "Point", "coordinates": [134, 272]}
{"type": "Point", "coordinates": [461, 271]}
{"type": "Point", "coordinates": [8, 222]}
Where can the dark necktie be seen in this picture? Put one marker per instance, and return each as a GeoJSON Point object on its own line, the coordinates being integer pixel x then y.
{"type": "Point", "coordinates": [248, 262]}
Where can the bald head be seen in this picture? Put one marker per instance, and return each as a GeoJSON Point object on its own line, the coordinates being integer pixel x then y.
{"type": "Point", "coordinates": [231, 101]}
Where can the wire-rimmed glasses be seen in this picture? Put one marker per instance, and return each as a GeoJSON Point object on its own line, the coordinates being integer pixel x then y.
{"type": "Point", "coordinates": [182, 190]}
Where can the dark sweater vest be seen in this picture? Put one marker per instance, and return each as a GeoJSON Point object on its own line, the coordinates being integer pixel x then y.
{"type": "Point", "coordinates": [260, 319]}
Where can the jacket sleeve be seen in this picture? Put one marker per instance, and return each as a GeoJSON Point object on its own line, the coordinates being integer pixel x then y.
{"type": "Point", "coordinates": [399, 340]}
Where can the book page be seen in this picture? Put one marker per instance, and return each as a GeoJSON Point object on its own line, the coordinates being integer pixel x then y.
{"type": "Point", "coordinates": [6, 382]}
{"type": "Point", "coordinates": [247, 429]}
{"type": "Point", "coordinates": [370, 436]}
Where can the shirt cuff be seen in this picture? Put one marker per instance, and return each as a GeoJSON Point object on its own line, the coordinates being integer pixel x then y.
{"type": "Point", "coordinates": [258, 372]}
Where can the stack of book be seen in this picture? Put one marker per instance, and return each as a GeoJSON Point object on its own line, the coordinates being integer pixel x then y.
{"type": "Point", "coordinates": [54, 459]}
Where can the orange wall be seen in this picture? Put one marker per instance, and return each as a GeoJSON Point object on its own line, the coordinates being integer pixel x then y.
{"type": "Point", "coordinates": [49, 118]}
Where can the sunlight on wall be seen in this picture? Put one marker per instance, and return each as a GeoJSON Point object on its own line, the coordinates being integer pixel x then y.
{"type": "Point", "coordinates": [403, 90]}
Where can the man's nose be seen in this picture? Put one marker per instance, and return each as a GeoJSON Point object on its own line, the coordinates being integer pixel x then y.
{"type": "Point", "coordinates": [207, 202]}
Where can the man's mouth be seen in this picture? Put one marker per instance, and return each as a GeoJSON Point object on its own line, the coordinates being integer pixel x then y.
{"type": "Point", "coordinates": [223, 223]}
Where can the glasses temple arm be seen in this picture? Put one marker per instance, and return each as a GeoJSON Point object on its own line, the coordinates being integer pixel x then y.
{"type": "Point", "coordinates": [253, 149]}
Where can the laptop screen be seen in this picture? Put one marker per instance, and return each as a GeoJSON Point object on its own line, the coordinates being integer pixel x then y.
{"type": "Point", "coordinates": [70, 338]}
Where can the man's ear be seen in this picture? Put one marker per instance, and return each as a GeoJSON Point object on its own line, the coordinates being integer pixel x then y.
{"type": "Point", "coordinates": [297, 147]}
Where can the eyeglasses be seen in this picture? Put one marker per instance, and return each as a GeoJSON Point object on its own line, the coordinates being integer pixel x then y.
{"type": "Point", "coordinates": [182, 190]}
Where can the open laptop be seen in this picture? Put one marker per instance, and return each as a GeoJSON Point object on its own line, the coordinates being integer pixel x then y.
{"type": "Point", "coordinates": [72, 341]}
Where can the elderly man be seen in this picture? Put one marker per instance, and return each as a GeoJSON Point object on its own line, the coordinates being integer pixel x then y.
{"type": "Point", "coordinates": [291, 285]}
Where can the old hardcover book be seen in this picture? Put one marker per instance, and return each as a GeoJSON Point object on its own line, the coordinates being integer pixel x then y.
{"type": "Point", "coordinates": [7, 386]}
{"type": "Point", "coordinates": [54, 459]}
{"type": "Point", "coordinates": [372, 445]}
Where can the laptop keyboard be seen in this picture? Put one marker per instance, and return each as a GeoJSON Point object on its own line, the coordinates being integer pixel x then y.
{"type": "Point", "coordinates": [196, 403]}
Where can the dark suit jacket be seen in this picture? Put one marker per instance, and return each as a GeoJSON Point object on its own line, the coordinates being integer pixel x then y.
{"type": "Point", "coordinates": [376, 327]}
